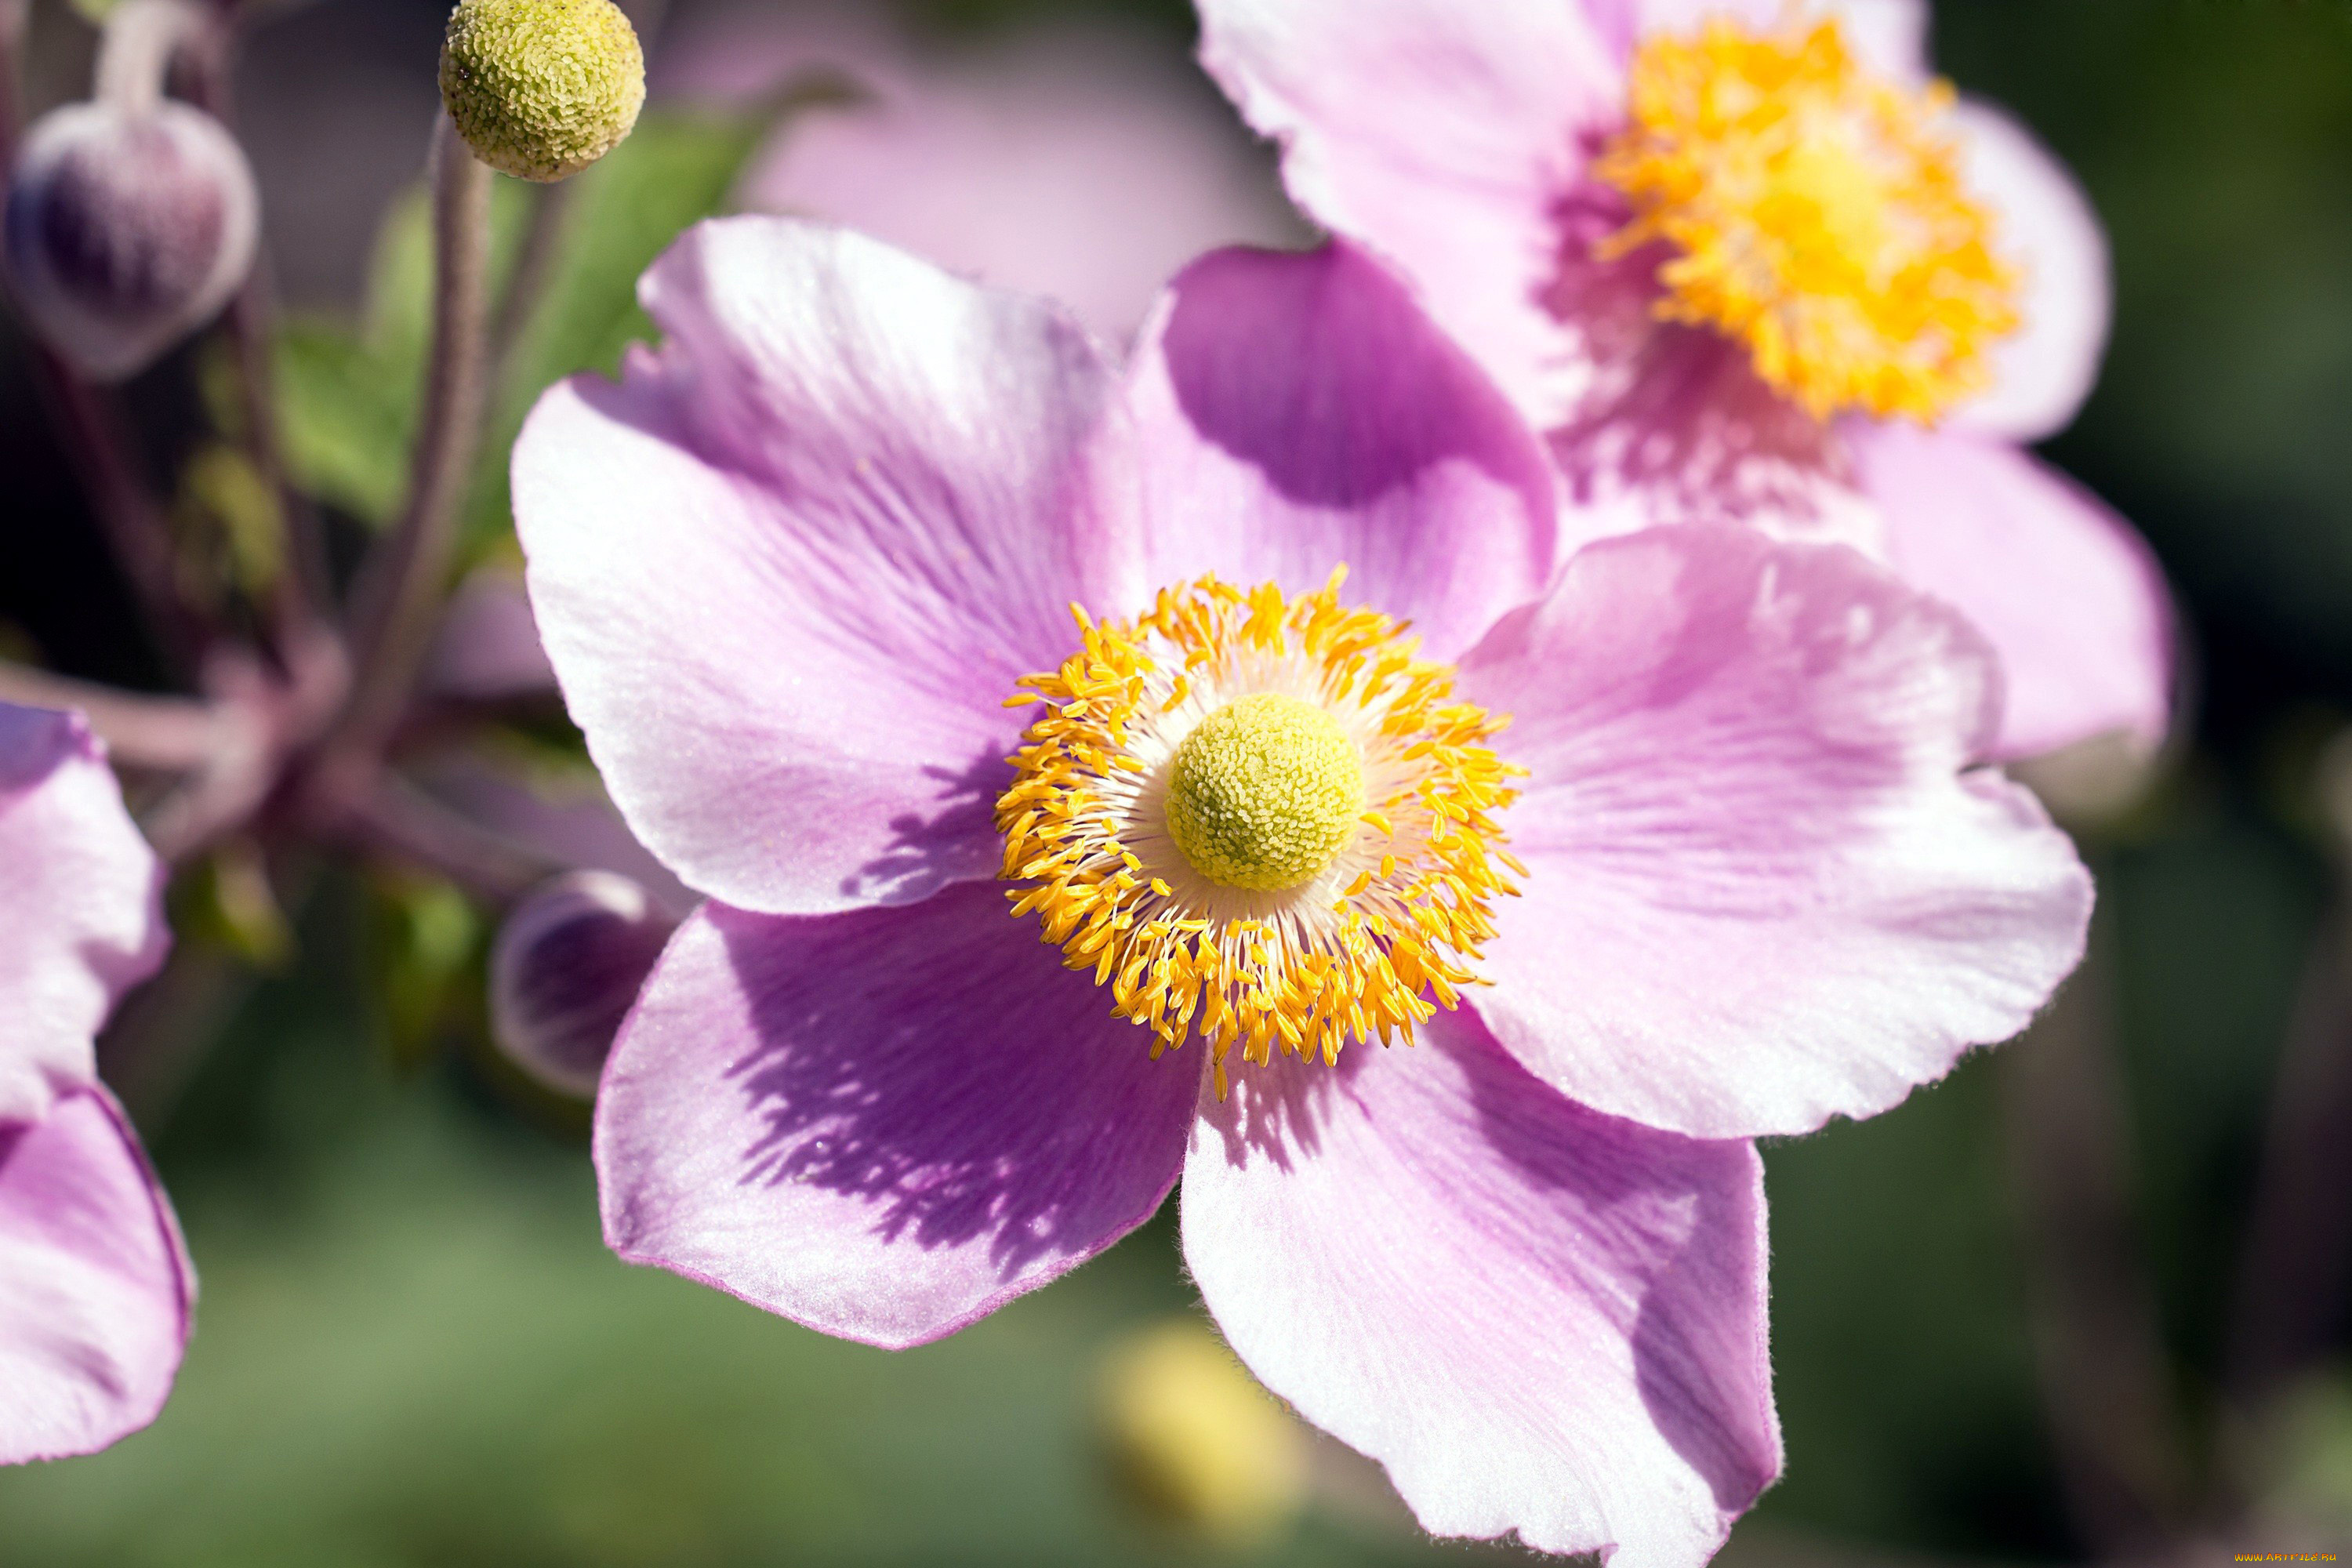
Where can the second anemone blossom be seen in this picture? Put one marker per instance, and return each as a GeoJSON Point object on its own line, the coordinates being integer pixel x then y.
{"type": "Point", "coordinates": [1745, 260]}
{"type": "Point", "coordinates": [96, 1293]}
{"type": "Point", "coordinates": [1214, 771]}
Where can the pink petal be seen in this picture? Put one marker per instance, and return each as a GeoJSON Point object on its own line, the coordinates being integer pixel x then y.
{"type": "Point", "coordinates": [1294, 412]}
{"type": "Point", "coordinates": [96, 1294]}
{"type": "Point", "coordinates": [1075, 159]}
{"type": "Point", "coordinates": [1676, 426]}
{"type": "Point", "coordinates": [2061, 587]}
{"type": "Point", "coordinates": [1765, 884]}
{"type": "Point", "coordinates": [790, 568]}
{"type": "Point", "coordinates": [82, 922]}
{"type": "Point", "coordinates": [1539, 1319]}
{"type": "Point", "coordinates": [2045, 223]}
{"type": "Point", "coordinates": [1441, 134]}
{"type": "Point", "coordinates": [883, 1125]}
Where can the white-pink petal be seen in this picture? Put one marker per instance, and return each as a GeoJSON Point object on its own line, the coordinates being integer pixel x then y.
{"type": "Point", "coordinates": [96, 1294]}
{"type": "Point", "coordinates": [1767, 882]}
{"type": "Point", "coordinates": [82, 921]}
{"type": "Point", "coordinates": [1539, 1318]}
{"type": "Point", "coordinates": [1890, 35]}
{"type": "Point", "coordinates": [1441, 134]}
{"type": "Point", "coordinates": [789, 569]}
{"type": "Point", "coordinates": [1077, 160]}
{"type": "Point", "coordinates": [2068, 595]}
{"type": "Point", "coordinates": [2044, 223]}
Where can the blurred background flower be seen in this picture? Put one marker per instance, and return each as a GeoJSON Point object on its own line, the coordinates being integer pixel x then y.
{"type": "Point", "coordinates": [2088, 1292]}
{"type": "Point", "coordinates": [1071, 154]}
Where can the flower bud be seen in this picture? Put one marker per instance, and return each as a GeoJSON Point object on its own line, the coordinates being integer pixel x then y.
{"type": "Point", "coordinates": [564, 971]}
{"type": "Point", "coordinates": [126, 229]}
{"type": "Point", "coordinates": [541, 88]}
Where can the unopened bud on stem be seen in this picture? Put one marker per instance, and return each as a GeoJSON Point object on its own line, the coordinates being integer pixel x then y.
{"type": "Point", "coordinates": [541, 88]}
{"type": "Point", "coordinates": [564, 971]}
{"type": "Point", "coordinates": [131, 220]}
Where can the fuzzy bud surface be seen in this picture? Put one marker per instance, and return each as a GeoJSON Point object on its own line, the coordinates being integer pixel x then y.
{"type": "Point", "coordinates": [541, 88]}
{"type": "Point", "coordinates": [128, 229]}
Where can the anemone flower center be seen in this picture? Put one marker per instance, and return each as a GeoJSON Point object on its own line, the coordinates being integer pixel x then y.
{"type": "Point", "coordinates": [1817, 216]}
{"type": "Point", "coordinates": [1264, 792]}
{"type": "Point", "coordinates": [1260, 818]}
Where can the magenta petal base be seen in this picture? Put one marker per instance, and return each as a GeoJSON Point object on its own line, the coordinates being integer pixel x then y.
{"type": "Point", "coordinates": [883, 1125]}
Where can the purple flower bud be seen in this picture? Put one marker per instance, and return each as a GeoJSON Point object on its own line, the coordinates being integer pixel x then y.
{"type": "Point", "coordinates": [128, 229]}
{"type": "Point", "coordinates": [565, 971]}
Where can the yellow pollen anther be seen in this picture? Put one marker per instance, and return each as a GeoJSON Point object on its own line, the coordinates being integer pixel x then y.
{"type": "Point", "coordinates": [1183, 821]}
{"type": "Point", "coordinates": [1819, 218]}
{"type": "Point", "coordinates": [1265, 793]}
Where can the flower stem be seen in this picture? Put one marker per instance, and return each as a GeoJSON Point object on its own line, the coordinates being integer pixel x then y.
{"type": "Point", "coordinates": [14, 15]}
{"type": "Point", "coordinates": [534, 263]}
{"type": "Point", "coordinates": [134, 527]}
{"type": "Point", "coordinates": [400, 585]}
{"type": "Point", "coordinates": [398, 821]}
{"type": "Point", "coordinates": [142, 36]}
{"type": "Point", "coordinates": [2106, 1384]}
{"type": "Point", "coordinates": [2295, 1272]}
{"type": "Point", "coordinates": [170, 734]}
{"type": "Point", "coordinates": [150, 1048]}
{"type": "Point", "coordinates": [301, 582]}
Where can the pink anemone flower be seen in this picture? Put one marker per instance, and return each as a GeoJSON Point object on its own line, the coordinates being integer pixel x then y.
{"type": "Point", "coordinates": [871, 587]}
{"type": "Point", "coordinates": [1083, 160]}
{"type": "Point", "coordinates": [95, 1289]}
{"type": "Point", "coordinates": [1744, 259]}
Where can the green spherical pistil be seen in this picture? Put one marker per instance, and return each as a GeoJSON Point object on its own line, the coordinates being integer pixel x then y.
{"type": "Point", "coordinates": [1266, 793]}
{"type": "Point", "coordinates": [541, 88]}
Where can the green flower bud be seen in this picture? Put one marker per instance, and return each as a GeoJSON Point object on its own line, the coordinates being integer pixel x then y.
{"type": "Point", "coordinates": [541, 88]}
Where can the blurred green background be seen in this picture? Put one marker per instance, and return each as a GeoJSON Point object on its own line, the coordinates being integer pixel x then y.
{"type": "Point", "coordinates": [413, 1349]}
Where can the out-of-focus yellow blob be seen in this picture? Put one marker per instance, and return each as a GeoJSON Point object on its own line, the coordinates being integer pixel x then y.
{"type": "Point", "coordinates": [1193, 1440]}
{"type": "Point", "coordinates": [1820, 218]}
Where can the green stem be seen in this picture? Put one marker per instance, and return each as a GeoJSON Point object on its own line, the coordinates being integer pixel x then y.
{"type": "Point", "coordinates": [2106, 1383]}
{"type": "Point", "coordinates": [86, 424]}
{"type": "Point", "coordinates": [400, 585]}
{"type": "Point", "coordinates": [534, 264]}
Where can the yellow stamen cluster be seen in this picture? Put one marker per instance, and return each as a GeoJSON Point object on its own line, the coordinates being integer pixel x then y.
{"type": "Point", "coordinates": [1819, 218]}
{"type": "Point", "coordinates": [1346, 951]}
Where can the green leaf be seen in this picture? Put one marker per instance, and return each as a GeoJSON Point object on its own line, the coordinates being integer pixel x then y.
{"type": "Point", "coordinates": [346, 411]}
{"type": "Point", "coordinates": [347, 395]}
{"type": "Point", "coordinates": [674, 170]}
{"type": "Point", "coordinates": [425, 952]}
{"type": "Point", "coordinates": [348, 392]}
